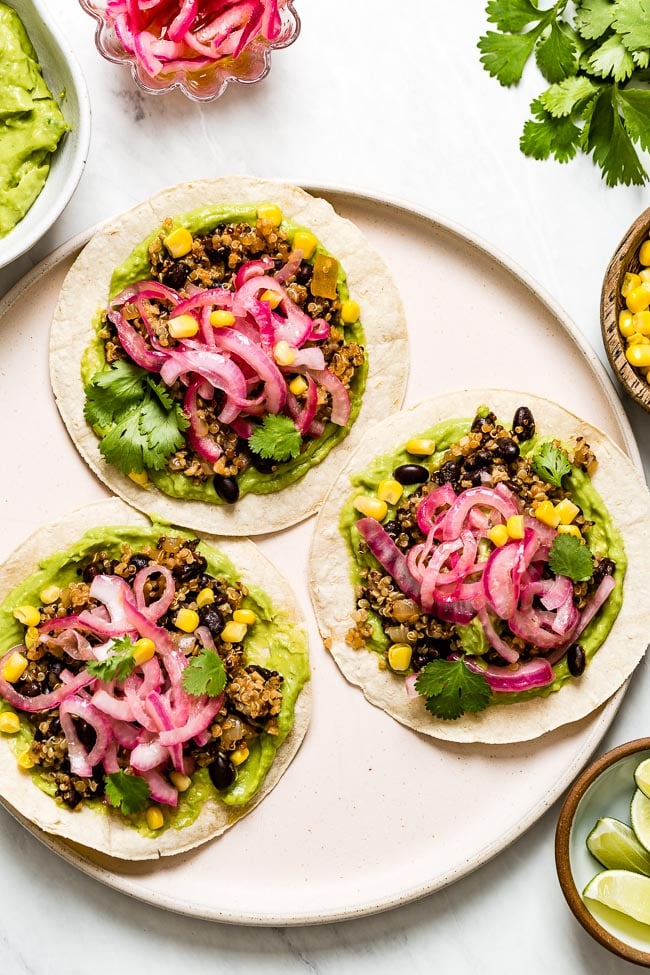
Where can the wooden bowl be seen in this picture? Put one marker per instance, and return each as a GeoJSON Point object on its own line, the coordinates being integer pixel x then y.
{"type": "Point", "coordinates": [605, 788]}
{"type": "Point", "coordinates": [611, 302]}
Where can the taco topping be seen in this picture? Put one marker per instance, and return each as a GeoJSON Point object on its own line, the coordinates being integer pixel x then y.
{"type": "Point", "coordinates": [481, 579]}
{"type": "Point", "coordinates": [136, 676]}
{"type": "Point", "coordinates": [236, 352]}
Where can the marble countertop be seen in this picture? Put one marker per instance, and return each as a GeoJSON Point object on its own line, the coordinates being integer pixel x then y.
{"type": "Point", "coordinates": [397, 104]}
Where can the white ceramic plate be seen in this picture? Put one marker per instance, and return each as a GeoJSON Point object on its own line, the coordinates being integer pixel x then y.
{"type": "Point", "coordinates": [369, 815]}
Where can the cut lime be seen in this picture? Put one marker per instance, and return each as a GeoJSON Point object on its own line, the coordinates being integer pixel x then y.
{"type": "Point", "coordinates": [640, 818]}
{"type": "Point", "coordinates": [642, 776]}
{"type": "Point", "coordinates": [614, 844]}
{"type": "Point", "coordinates": [623, 891]}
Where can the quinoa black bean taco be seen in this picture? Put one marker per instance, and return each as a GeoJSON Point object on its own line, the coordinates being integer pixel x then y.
{"type": "Point", "coordinates": [152, 686]}
{"type": "Point", "coordinates": [484, 550]}
{"type": "Point", "coordinates": [213, 345]}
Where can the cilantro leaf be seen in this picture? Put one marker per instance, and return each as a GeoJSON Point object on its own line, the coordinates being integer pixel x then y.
{"type": "Point", "coordinates": [641, 58]}
{"type": "Point", "coordinates": [635, 105]}
{"type": "Point", "coordinates": [607, 139]}
{"type": "Point", "coordinates": [129, 793]}
{"type": "Point", "coordinates": [611, 58]}
{"type": "Point", "coordinates": [161, 430]}
{"type": "Point", "coordinates": [504, 55]}
{"type": "Point", "coordinates": [125, 445]}
{"type": "Point", "coordinates": [544, 135]}
{"type": "Point", "coordinates": [118, 665]}
{"type": "Point", "coordinates": [593, 18]}
{"type": "Point", "coordinates": [551, 463]}
{"type": "Point", "coordinates": [204, 674]}
{"type": "Point", "coordinates": [556, 54]}
{"type": "Point", "coordinates": [451, 689]}
{"type": "Point", "coordinates": [112, 392]}
{"type": "Point", "coordinates": [570, 557]}
{"type": "Point", "coordinates": [568, 96]}
{"type": "Point", "coordinates": [512, 15]}
{"type": "Point", "coordinates": [276, 438]}
{"type": "Point", "coordinates": [632, 23]}
{"type": "Point", "coordinates": [161, 392]}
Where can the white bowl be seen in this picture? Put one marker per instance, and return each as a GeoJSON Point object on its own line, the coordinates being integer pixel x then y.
{"type": "Point", "coordinates": [66, 82]}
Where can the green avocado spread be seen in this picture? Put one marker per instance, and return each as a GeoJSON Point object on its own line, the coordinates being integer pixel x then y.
{"type": "Point", "coordinates": [603, 540]}
{"type": "Point", "coordinates": [176, 485]}
{"type": "Point", "coordinates": [31, 123]}
{"type": "Point", "coordinates": [273, 642]}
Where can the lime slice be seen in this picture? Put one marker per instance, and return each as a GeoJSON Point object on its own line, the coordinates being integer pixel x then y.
{"type": "Point", "coordinates": [640, 818]}
{"type": "Point", "coordinates": [642, 776]}
{"type": "Point", "coordinates": [614, 844]}
{"type": "Point", "coordinates": [623, 891]}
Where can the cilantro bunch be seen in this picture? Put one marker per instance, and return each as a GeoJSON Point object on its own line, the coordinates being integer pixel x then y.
{"type": "Point", "coordinates": [595, 54]}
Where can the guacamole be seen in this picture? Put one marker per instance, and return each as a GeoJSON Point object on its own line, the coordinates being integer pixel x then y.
{"type": "Point", "coordinates": [31, 123]}
{"type": "Point", "coordinates": [274, 643]}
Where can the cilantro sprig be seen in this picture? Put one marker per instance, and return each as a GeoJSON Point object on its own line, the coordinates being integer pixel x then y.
{"type": "Point", "coordinates": [568, 556]}
{"type": "Point", "coordinates": [140, 425]}
{"type": "Point", "coordinates": [551, 463]}
{"type": "Point", "coordinates": [276, 438]}
{"type": "Point", "coordinates": [129, 793]}
{"type": "Point", "coordinates": [204, 674]}
{"type": "Point", "coordinates": [595, 54]}
{"type": "Point", "coordinates": [118, 665]}
{"type": "Point", "coordinates": [451, 689]}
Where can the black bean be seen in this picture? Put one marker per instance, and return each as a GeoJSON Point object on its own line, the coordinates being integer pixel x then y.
{"type": "Point", "coordinates": [479, 461]}
{"type": "Point", "coordinates": [448, 473]}
{"type": "Point", "coordinates": [523, 423]}
{"type": "Point", "coordinates": [91, 571]}
{"type": "Point", "coordinates": [262, 671]}
{"type": "Point", "coordinates": [139, 561]}
{"type": "Point", "coordinates": [263, 464]}
{"type": "Point", "coordinates": [226, 487]}
{"type": "Point", "coordinates": [411, 474]}
{"type": "Point", "coordinates": [86, 732]}
{"type": "Point", "coordinates": [507, 449]}
{"type": "Point", "coordinates": [305, 273]}
{"type": "Point", "coordinates": [176, 275]}
{"type": "Point", "coordinates": [478, 421]}
{"type": "Point", "coordinates": [604, 567]}
{"type": "Point", "coordinates": [212, 618]}
{"type": "Point", "coordinates": [391, 528]}
{"type": "Point", "coordinates": [189, 570]}
{"type": "Point", "coordinates": [576, 660]}
{"type": "Point", "coordinates": [222, 772]}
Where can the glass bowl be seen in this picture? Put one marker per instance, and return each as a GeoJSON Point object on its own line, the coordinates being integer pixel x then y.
{"type": "Point", "coordinates": [252, 65]}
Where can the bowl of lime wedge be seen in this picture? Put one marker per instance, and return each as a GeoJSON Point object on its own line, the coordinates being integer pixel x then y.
{"type": "Point", "coordinates": [602, 850]}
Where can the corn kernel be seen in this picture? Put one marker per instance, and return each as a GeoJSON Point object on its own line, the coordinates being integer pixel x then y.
{"type": "Point", "coordinates": [246, 616]}
{"type": "Point", "coordinates": [305, 242]}
{"type": "Point", "coordinates": [639, 298]}
{"type": "Point", "coordinates": [371, 507]}
{"type": "Point", "coordinates": [546, 513]}
{"type": "Point", "coordinates": [515, 526]}
{"type": "Point", "coordinates": [154, 817]}
{"type": "Point", "coordinates": [638, 355]}
{"type": "Point", "coordinates": [421, 447]}
{"type": "Point", "coordinates": [567, 511]}
{"type": "Point", "coordinates": [183, 326]}
{"type": "Point", "coordinates": [180, 781]}
{"type": "Point", "coordinates": [139, 477]}
{"type": "Point", "coordinates": [32, 636]}
{"type": "Point", "coordinates": [28, 615]}
{"type": "Point", "coordinates": [204, 598]}
{"type": "Point", "coordinates": [179, 242]}
{"type": "Point", "coordinates": [220, 318]}
{"type": "Point", "coordinates": [187, 620]}
{"type": "Point", "coordinates": [644, 253]}
{"type": "Point", "coordinates": [272, 298]}
{"type": "Point", "coordinates": [9, 723]}
{"type": "Point", "coordinates": [143, 650]}
{"type": "Point", "coordinates": [498, 535]}
{"type": "Point", "coordinates": [630, 282]}
{"type": "Point", "coordinates": [298, 385]}
{"type": "Point", "coordinates": [233, 632]}
{"type": "Point", "coordinates": [390, 490]}
{"type": "Point", "coordinates": [350, 312]}
{"type": "Point", "coordinates": [239, 755]}
{"type": "Point", "coordinates": [26, 761]}
{"type": "Point", "coordinates": [641, 322]}
{"type": "Point", "coordinates": [14, 668]}
{"type": "Point", "coordinates": [49, 595]}
{"type": "Point", "coordinates": [569, 530]}
{"type": "Point", "coordinates": [626, 323]}
{"type": "Point", "coordinates": [636, 339]}
{"type": "Point", "coordinates": [270, 213]}
{"type": "Point", "coordinates": [283, 354]}
{"type": "Point", "coordinates": [399, 656]}
{"type": "Point", "coordinates": [644, 274]}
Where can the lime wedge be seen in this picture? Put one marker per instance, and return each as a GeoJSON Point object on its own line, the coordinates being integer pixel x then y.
{"type": "Point", "coordinates": [642, 776]}
{"type": "Point", "coordinates": [640, 818]}
{"type": "Point", "coordinates": [623, 891]}
{"type": "Point", "coordinates": [614, 844]}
